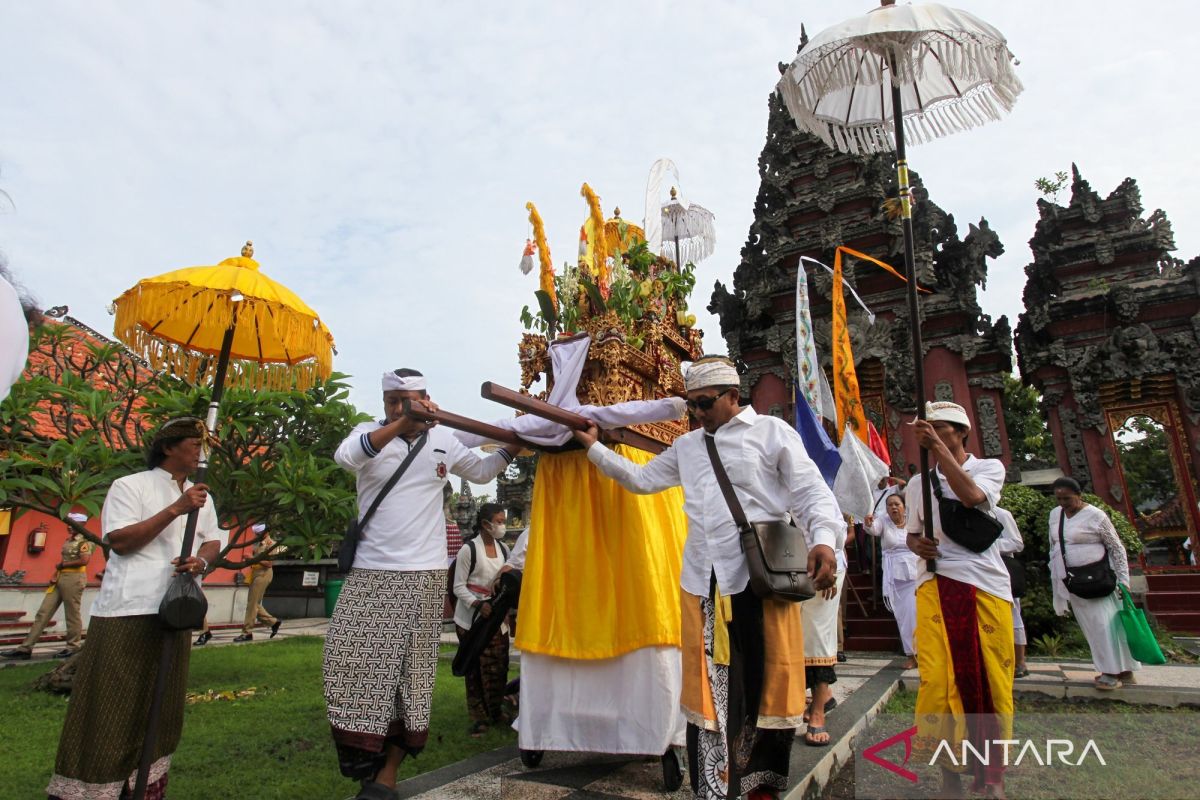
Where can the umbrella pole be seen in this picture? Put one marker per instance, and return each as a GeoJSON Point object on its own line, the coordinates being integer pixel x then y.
{"type": "Point", "coordinates": [189, 536]}
{"type": "Point", "coordinates": [914, 310]}
{"type": "Point", "coordinates": [678, 257]}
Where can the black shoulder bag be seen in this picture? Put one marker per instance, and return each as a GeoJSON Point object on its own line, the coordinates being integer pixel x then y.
{"type": "Point", "coordinates": [1090, 581]}
{"type": "Point", "coordinates": [776, 552]}
{"type": "Point", "coordinates": [349, 545]}
{"type": "Point", "coordinates": [968, 527]}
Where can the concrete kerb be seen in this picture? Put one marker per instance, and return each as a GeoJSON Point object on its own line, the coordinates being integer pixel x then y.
{"type": "Point", "coordinates": [817, 766]}
{"type": "Point", "coordinates": [435, 779]}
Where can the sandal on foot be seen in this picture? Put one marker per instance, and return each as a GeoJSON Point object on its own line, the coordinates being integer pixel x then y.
{"type": "Point", "coordinates": [1023, 672]}
{"type": "Point", "coordinates": [816, 730]}
{"type": "Point", "coordinates": [1107, 683]}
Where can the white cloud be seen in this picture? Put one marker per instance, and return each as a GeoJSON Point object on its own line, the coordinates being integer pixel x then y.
{"type": "Point", "coordinates": [380, 154]}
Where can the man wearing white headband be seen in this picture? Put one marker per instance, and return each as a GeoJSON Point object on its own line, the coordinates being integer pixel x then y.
{"type": "Point", "coordinates": [773, 478]}
{"type": "Point", "coordinates": [382, 646]}
{"type": "Point", "coordinates": [964, 631]}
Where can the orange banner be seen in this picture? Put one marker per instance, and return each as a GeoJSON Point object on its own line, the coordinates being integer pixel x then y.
{"type": "Point", "coordinates": [837, 259]}
{"type": "Point", "coordinates": [845, 380]}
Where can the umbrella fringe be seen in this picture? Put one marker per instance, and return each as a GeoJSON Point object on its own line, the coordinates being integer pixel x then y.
{"type": "Point", "coordinates": [299, 334]}
{"type": "Point", "coordinates": [982, 64]}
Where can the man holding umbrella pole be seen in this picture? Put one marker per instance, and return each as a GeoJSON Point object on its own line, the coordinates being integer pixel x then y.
{"type": "Point", "coordinates": [143, 523]}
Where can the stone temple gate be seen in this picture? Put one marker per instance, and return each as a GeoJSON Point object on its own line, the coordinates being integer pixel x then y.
{"type": "Point", "coordinates": [1112, 330]}
{"type": "Point", "coordinates": [812, 199]}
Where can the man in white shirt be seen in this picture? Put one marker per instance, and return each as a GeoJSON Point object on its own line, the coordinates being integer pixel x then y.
{"type": "Point", "coordinates": [143, 523]}
{"type": "Point", "coordinates": [964, 632]}
{"type": "Point", "coordinates": [382, 645]}
{"type": "Point", "coordinates": [757, 657]}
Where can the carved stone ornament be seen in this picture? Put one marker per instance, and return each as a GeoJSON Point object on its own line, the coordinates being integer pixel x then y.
{"type": "Point", "coordinates": [14, 578]}
{"type": "Point", "coordinates": [989, 428]}
{"type": "Point", "coordinates": [943, 391]}
{"type": "Point", "coordinates": [1073, 439]}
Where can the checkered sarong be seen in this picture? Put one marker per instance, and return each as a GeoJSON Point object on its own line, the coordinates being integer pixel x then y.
{"type": "Point", "coordinates": [381, 659]}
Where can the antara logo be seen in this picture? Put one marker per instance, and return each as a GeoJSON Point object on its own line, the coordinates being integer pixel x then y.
{"type": "Point", "coordinates": [1045, 754]}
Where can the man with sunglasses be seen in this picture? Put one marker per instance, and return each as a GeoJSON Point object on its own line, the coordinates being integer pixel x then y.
{"type": "Point", "coordinates": [773, 478]}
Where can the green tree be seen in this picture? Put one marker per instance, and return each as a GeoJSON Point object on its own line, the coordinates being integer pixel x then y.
{"type": "Point", "coordinates": [1029, 439]}
{"type": "Point", "coordinates": [79, 421]}
{"type": "Point", "coordinates": [1142, 447]}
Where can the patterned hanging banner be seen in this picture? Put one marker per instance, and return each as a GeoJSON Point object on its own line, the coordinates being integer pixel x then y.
{"type": "Point", "coordinates": [807, 365]}
{"type": "Point", "coordinates": [845, 380]}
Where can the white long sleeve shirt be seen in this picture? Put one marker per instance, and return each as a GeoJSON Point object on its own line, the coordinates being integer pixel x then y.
{"type": "Point", "coordinates": [772, 477]}
{"type": "Point", "coordinates": [984, 570]}
{"type": "Point", "coordinates": [1089, 534]}
{"type": "Point", "coordinates": [136, 582]}
{"type": "Point", "coordinates": [408, 531]}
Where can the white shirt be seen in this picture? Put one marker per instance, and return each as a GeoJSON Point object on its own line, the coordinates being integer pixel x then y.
{"type": "Point", "coordinates": [899, 563]}
{"type": "Point", "coordinates": [516, 559]}
{"type": "Point", "coordinates": [1011, 541]}
{"type": "Point", "coordinates": [408, 531]}
{"type": "Point", "coordinates": [1088, 535]}
{"type": "Point", "coordinates": [483, 571]}
{"type": "Point", "coordinates": [984, 570]}
{"type": "Point", "coordinates": [772, 477]}
{"type": "Point", "coordinates": [135, 583]}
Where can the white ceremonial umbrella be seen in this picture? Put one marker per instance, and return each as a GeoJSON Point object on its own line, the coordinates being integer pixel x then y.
{"type": "Point", "coordinates": [937, 69]}
{"type": "Point", "coordinates": [690, 226]}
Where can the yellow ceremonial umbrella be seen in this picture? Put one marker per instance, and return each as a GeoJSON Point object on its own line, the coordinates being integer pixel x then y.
{"type": "Point", "coordinates": [179, 320]}
{"type": "Point", "coordinates": [196, 322]}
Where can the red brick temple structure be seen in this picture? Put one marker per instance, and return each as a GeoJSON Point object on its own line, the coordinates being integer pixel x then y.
{"type": "Point", "coordinates": [1111, 331]}
{"type": "Point", "coordinates": [813, 199]}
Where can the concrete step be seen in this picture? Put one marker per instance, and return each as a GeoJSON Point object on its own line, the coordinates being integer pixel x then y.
{"type": "Point", "coordinates": [871, 627]}
{"type": "Point", "coordinates": [873, 644]}
{"type": "Point", "coordinates": [8, 616]}
{"type": "Point", "coordinates": [1172, 601]}
{"type": "Point", "coordinates": [20, 624]}
{"type": "Point", "coordinates": [1173, 582]}
{"type": "Point", "coordinates": [1179, 621]}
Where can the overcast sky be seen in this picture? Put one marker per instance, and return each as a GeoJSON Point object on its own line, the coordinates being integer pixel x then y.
{"type": "Point", "coordinates": [380, 154]}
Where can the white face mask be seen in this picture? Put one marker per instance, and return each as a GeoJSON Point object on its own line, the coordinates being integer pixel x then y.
{"type": "Point", "coordinates": [497, 529]}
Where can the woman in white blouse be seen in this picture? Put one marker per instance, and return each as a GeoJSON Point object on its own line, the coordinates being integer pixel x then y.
{"type": "Point", "coordinates": [1088, 534]}
{"type": "Point", "coordinates": [899, 571]}
{"type": "Point", "coordinates": [475, 570]}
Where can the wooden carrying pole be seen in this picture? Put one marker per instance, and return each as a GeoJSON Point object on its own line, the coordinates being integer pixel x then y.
{"type": "Point", "coordinates": [466, 424]}
{"type": "Point", "coordinates": [540, 408]}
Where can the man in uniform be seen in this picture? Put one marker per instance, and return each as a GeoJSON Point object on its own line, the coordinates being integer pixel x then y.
{"type": "Point", "coordinates": [261, 575]}
{"type": "Point", "coordinates": [744, 694]}
{"type": "Point", "coordinates": [382, 646]}
{"type": "Point", "coordinates": [65, 589]}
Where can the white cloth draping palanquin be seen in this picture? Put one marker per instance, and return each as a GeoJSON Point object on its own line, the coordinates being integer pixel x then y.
{"type": "Point", "coordinates": [14, 338]}
{"type": "Point", "coordinates": [628, 704]}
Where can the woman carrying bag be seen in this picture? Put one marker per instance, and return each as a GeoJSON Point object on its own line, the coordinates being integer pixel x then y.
{"type": "Point", "coordinates": [1095, 563]}
{"type": "Point", "coordinates": [475, 570]}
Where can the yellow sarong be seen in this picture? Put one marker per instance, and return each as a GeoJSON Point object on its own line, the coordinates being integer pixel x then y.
{"type": "Point", "coordinates": [940, 714]}
{"type": "Point", "coordinates": [602, 571]}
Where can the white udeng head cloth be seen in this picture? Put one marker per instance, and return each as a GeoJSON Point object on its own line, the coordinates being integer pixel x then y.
{"type": "Point", "coordinates": [712, 371]}
{"type": "Point", "coordinates": [411, 383]}
{"type": "Point", "coordinates": [945, 411]}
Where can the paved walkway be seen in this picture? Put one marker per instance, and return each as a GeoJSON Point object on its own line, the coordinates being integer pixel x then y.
{"type": "Point", "coordinates": [864, 684]}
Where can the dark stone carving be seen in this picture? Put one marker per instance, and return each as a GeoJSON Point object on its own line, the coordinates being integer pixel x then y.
{"type": "Point", "coordinates": [812, 199]}
{"type": "Point", "coordinates": [943, 390]}
{"type": "Point", "coordinates": [1073, 439]}
{"type": "Point", "coordinates": [14, 578]}
{"type": "Point", "coordinates": [989, 426]}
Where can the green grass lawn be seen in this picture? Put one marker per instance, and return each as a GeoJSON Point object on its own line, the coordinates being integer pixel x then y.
{"type": "Point", "coordinates": [273, 743]}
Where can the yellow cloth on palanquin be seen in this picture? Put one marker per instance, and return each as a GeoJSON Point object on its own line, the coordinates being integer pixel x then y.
{"type": "Point", "coordinates": [602, 570]}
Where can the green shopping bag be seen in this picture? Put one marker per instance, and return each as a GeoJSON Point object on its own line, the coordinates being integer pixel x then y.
{"type": "Point", "coordinates": [1142, 643]}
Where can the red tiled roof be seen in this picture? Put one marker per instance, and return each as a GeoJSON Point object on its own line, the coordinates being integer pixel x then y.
{"type": "Point", "coordinates": [75, 355]}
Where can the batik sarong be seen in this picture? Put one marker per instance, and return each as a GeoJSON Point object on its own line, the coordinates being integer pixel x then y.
{"type": "Point", "coordinates": [487, 678]}
{"type": "Point", "coordinates": [380, 662]}
{"type": "Point", "coordinates": [964, 641]}
{"type": "Point", "coordinates": [101, 742]}
{"type": "Point", "coordinates": [743, 691]}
